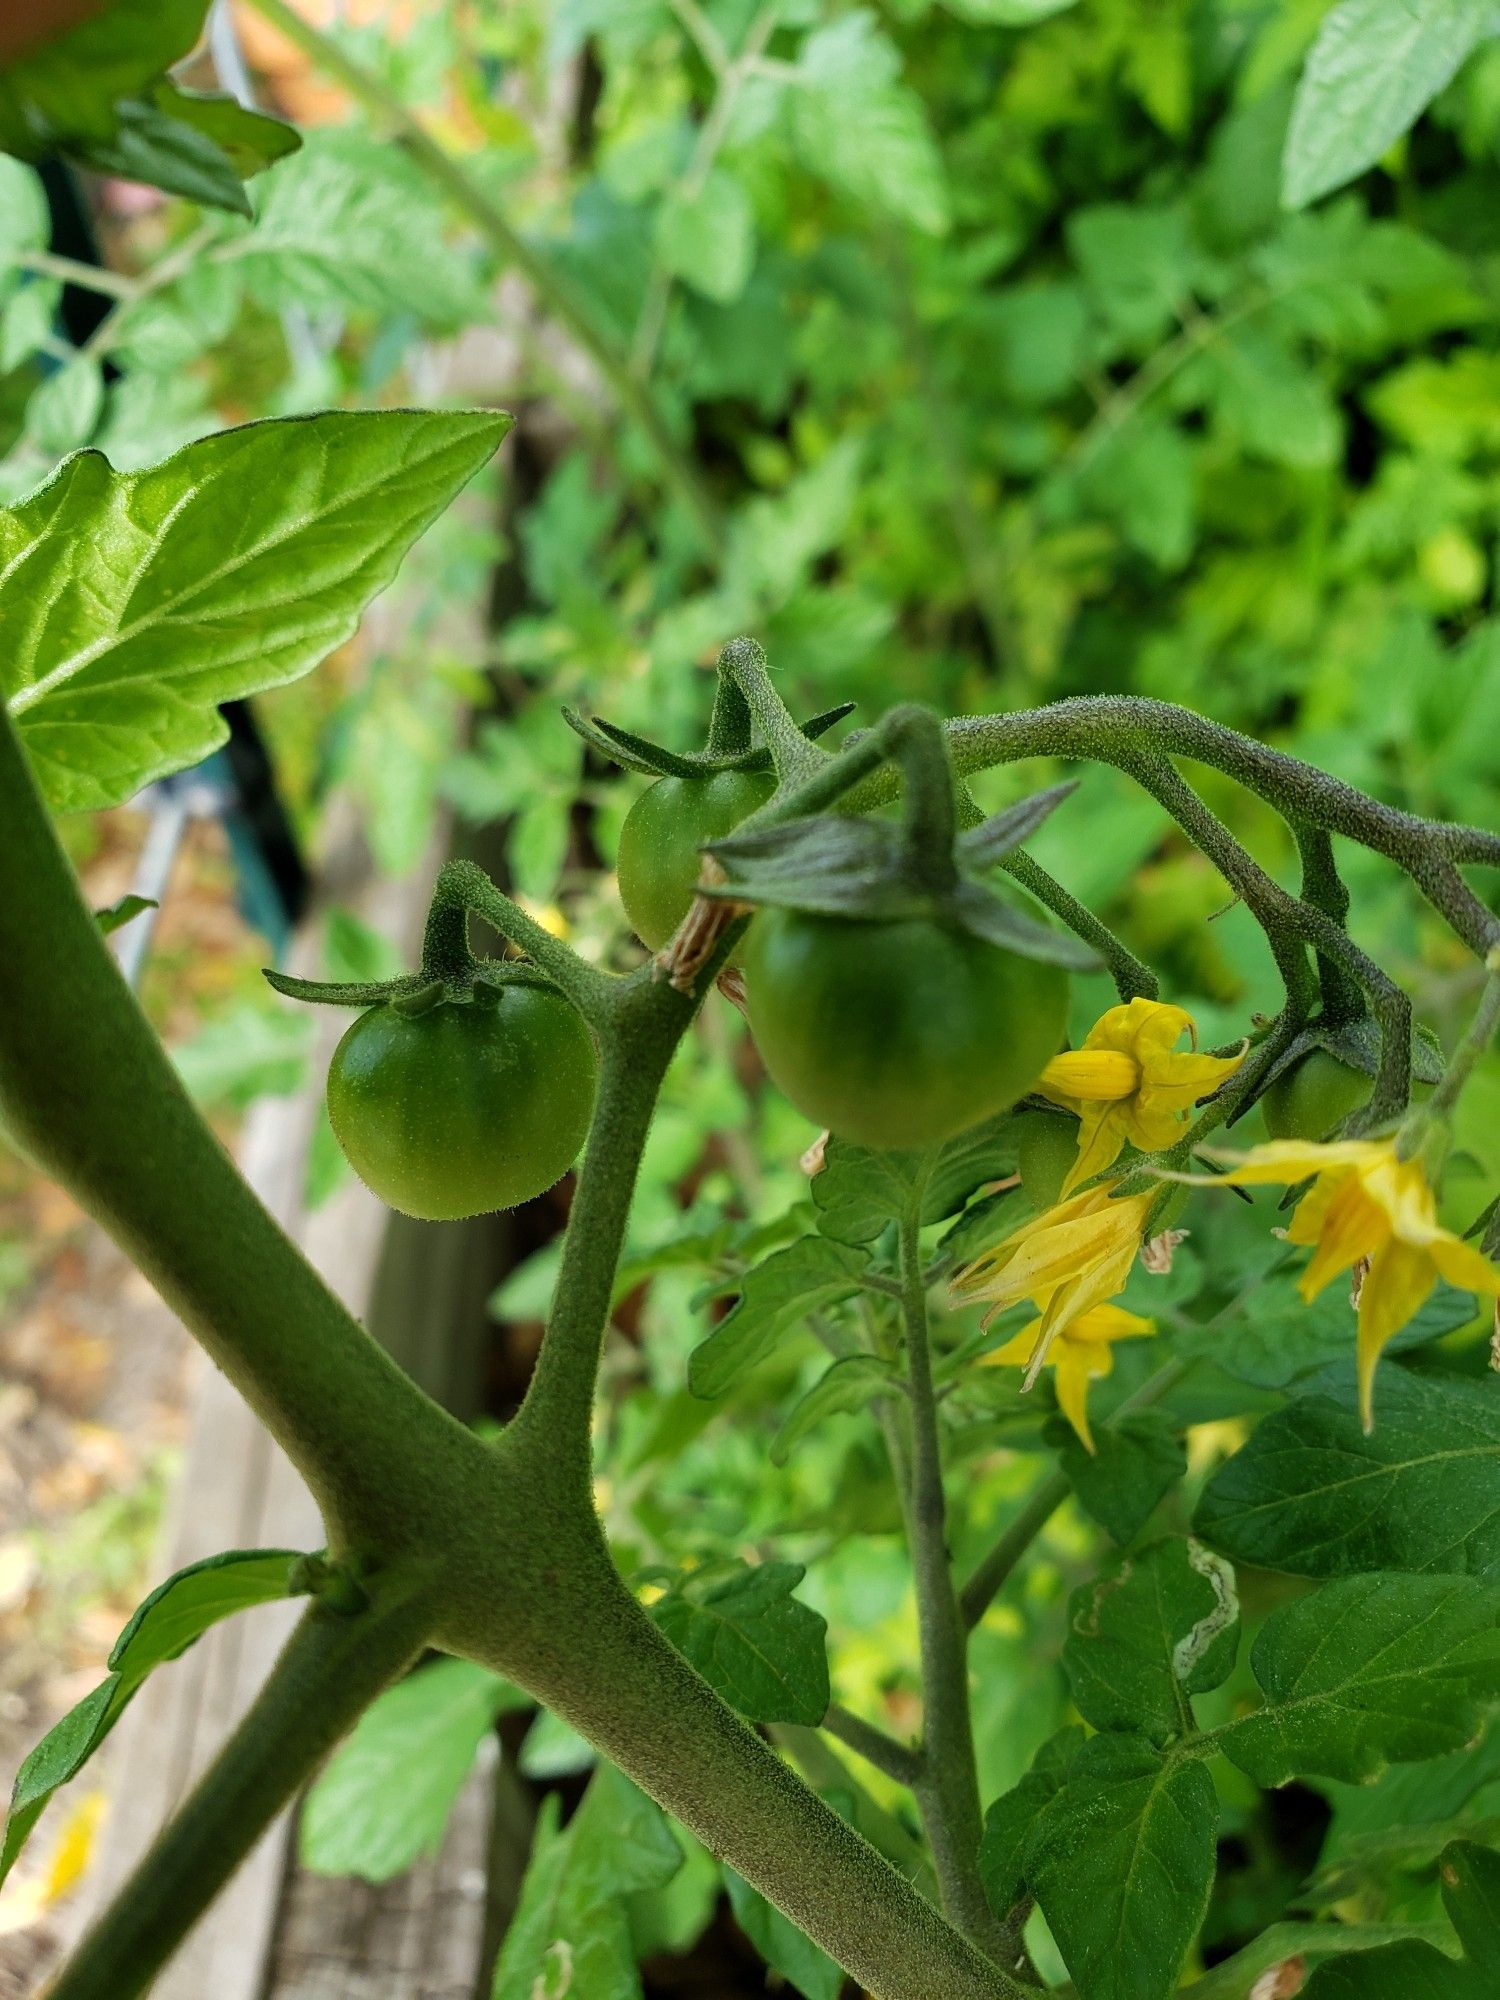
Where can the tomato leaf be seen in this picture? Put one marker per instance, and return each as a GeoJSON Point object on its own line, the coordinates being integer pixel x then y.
{"type": "Point", "coordinates": [1369, 1671]}
{"type": "Point", "coordinates": [1412, 1969]}
{"type": "Point", "coordinates": [178, 1612]}
{"type": "Point", "coordinates": [775, 1300]}
{"type": "Point", "coordinates": [1374, 68]}
{"type": "Point", "coordinates": [751, 1640]}
{"type": "Point", "coordinates": [139, 601]}
{"type": "Point", "coordinates": [203, 147]}
{"type": "Point", "coordinates": [1121, 1859]}
{"type": "Point", "coordinates": [571, 1930]}
{"type": "Point", "coordinates": [849, 1385]}
{"type": "Point", "coordinates": [1313, 1495]}
{"type": "Point", "coordinates": [1138, 1457]}
{"type": "Point", "coordinates": [65, 89]}
{"type": "Point", "coordinates": [1009, 1821]}
{"type": "Point", "coordinates": [1149, 1632]}
{"type": "Point", "coordinates": [385, 1795]}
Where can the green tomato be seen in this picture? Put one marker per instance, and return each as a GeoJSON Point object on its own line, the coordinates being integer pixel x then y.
{"type": "Point", "coordinates": [1047, 1145]}
{"type": "Point", "coordinates": [465, 1108]}
{"type": "Point", "coordinates": [900, 1033]}
{"type": "Point", "coordinates": [1315, 1094]}
{"type": "Point", "coordinates": [659, 862]}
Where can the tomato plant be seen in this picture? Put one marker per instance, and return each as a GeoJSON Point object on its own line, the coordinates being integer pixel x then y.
{"type": "Point", "coordinates": [930, 1545]}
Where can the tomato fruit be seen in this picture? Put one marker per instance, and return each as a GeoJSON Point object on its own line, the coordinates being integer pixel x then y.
{"type": "Point", "coordinates": [468, 1107]}
{"type": "Point", "coordinates": [897, 1033]}
{"type": "Point", "coordinates": [1047, 1146]}
{"type": "Point", "coordinates": [659, 862]}
{"type": "Point", "coordinates": [1309, 1099]}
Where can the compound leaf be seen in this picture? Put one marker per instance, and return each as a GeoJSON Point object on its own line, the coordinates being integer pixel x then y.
{"type": "Point", "coordinates": [775, 1299]}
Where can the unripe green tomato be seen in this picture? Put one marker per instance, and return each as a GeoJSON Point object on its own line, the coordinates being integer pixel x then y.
{"type": "Point", "coordinates": [1047, 1146]}
{"type": "Point", "coordinates": [1315, 1094]}
{"type": "Point", "coordinates": [468, 1107]}
{"type": "Point", "coordinates": [901, 1033]}
{"type": "Point", "coordinates": [659, 862]}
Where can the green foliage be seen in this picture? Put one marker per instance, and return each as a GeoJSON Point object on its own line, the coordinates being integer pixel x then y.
{"type": "Point", "coordinates": [177, 1613]}
{"type": "Point", "coordinates": [98, 93]}
{"type": "Point", "coordinates": [751, 1639]}
{"type": "Point", "coordinates": [1311, 1493]}
{"type": "Point", "coordinates": [385, 1796]}
{"type": "Point", "coordinates": [571, 1930]}
{"type": "Point", "coordinates": [145, 599]}
{"type": "Point", "coordinates": [1413, 1969]}
{"type": "Point", "coordinates": [1367, 1671]}
{"type": "Point", "coordinates": [1152, 1630]}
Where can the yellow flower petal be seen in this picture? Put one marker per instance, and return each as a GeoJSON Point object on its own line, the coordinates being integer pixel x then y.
{"type": "Point", "coordinates": [1017, 1350]}
{"type": "Point", "coordinates": [1352, 1226]}
{"type": "Point", "coordinates": [1396, 1287]}
{"type": "Point", "coordinates": [1464, 1266]}
{"type": "Point", "coordinates": [1286, 1161]}
{"type": "Point", "coordinates": [1077, 1366]}
{"type": "Point", "coordinates": [1091, 1075]}
{"type": "Point", "coordinates": [1104, 1323]}
{"type": "Point", "coordinates": [1101, 1137]}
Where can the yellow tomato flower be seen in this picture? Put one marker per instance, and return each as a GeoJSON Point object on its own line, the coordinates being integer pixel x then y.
{"type": "Point", "coordinates": [1082, 1353]}
{"type": "Point", "coordinates": [1069, 1259]}
{"type": "Point", "coordinates": [1130, 1081]}
{"type": "Point", "coordinates": [1366, 1203]}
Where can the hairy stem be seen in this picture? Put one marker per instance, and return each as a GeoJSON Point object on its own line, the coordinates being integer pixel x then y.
{"type": "Point", "coordinates": [898, 1760]}
{"type": "Point", "coordinates": [550, 284]}
{"type": "Point", "coordinates": [87, 1089]}
{"type": "Point", "coordinates": [949, 1791]}
{"type": "Point", "coordinates": [332, 1666]}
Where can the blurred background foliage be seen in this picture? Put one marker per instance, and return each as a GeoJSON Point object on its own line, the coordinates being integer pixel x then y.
{"type": "Point", "coordinates": [992, 370]}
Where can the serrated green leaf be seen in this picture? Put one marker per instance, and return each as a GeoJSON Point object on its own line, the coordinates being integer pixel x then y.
{"type": "Point", "coordinates": [1138, 1457]}
{"type": "Point", "coordinates": [856, 125]}
{"type": "Point", "coordinates": [854, 1383]}
{"type": "Point", "coordinates": [1312, 1494]}
{"type": "Point", "coordinates": [137, 602]}
{"type": "Point", "coordinates": [1009, 1821]}
{"type": "Point", "coordinates": [570, 1934]}
{"type": "Point", "coordinates": [775, 1300]}
{"type": "Point", "coordinates": [176, 1613]}
{"type": "Point", "coordinates": [384, 1797]}
{"type": "Point", "coordinates": [786, 1949]}
{"type": "Point", "coordinates": [1369, 1671]}
{"type": "Point", "coordinates": [1121, 1860]}
{"type": "Point", "coordinates": [859, 1193]}
{"type": "Point", "coordinates": [350, 221]}
{"type": "Point", "coordinates": [1149, 1632]}
{"type": "Point", "coordinates": [751, 1640]}
{"type": "Point", "coordinates": [65, 89]}
{"type": "Point", "coordinates": [1286, 1338]}
{"type": "Point", "coordinates": [1374, 68]}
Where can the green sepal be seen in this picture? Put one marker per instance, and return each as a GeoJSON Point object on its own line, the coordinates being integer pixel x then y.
{"type": "Point", "coordinates": [114, 916]}
{"type": "Point", "coordinates": [844, 865]}
{"type": "Point", "coordinates": [1355, 1042]}
{"type": "Point", "coordinates": [345, 992]}
{"type": "Point", "coordinates": [654, 760]}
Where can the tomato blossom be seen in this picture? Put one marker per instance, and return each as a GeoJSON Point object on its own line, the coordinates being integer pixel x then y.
{"type": "Point", "coordinates": [1129, 1081]}
{"type": "Point", "coordinates": [1082, 1353]}
{"type": "Point", "coordinates": [1368, 1208]}
{"type": "Point", "coordinates": [1069, 1259]}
